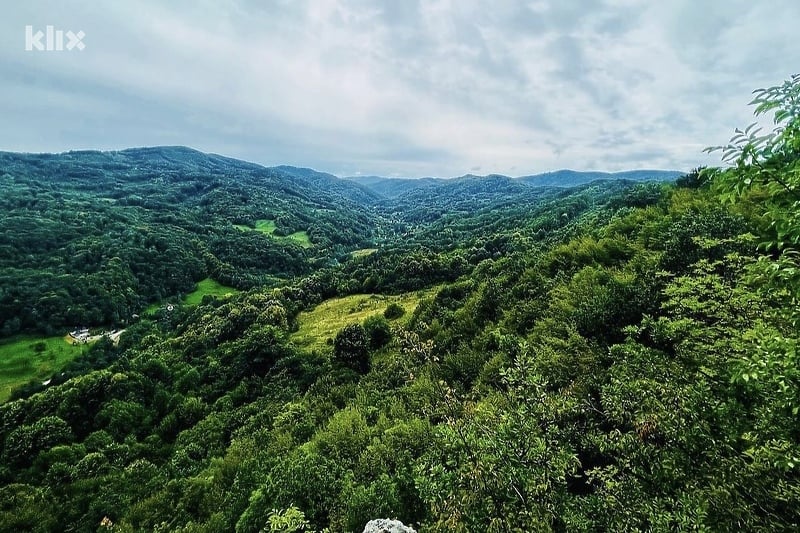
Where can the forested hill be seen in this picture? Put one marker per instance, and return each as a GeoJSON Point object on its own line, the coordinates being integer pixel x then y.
{"type": "Point", "coordinates": [391, 187]}
{"type": "Point", "coordinates": [329, 182]}
{"type": "Point", "coordinates": [94, 237]}
{"type": "Point", "coordinates": [618, 356]}
{"type": "Point", "coordinates": [572, 178]}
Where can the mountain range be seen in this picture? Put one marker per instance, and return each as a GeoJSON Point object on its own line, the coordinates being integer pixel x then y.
{"type": "Point", "coordinates": [390, 187]}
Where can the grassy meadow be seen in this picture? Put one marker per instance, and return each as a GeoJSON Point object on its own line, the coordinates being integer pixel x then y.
{"type": "Point", "coordinates": [210, 287]}
{"type": "Point", "coordinates": [325, 320]}
{"type": "Point", "coordinates": [263, 226]}
{"type": "Point", "coordinates": [204, 287]}
{"type": "Point", "coordinates": [26, 358]}
{"type": "Point", "coordinates": [363, 252]}
{"type": "Point", "coordinates": [268, 228]}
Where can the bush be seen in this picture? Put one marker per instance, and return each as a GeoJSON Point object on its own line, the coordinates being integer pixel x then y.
{"type": "Point", "coordinates": [393, 311]}
{"type": "Point", "coordinates": [350, 347]}
{"type": "Point", "coordinates": [378, 332]}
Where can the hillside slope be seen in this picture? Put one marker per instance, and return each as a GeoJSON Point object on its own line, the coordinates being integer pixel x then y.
{"type": "Point", "coordinates": [572, 178]}
{"type": "Point", "coordinates": [92, 237]}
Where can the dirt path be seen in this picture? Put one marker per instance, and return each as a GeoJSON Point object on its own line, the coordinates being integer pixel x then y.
{"type": "Point", "coordinates": [113, 336]}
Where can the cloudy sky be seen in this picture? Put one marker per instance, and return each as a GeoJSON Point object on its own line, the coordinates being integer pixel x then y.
{"type": "Point", "coordinates": [398, 87]}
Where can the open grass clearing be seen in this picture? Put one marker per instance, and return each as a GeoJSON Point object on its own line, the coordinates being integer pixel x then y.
{"type": "Point", "coordinates": [267, 227]}
{"type": "Point", "coordinates": [204, 287]}
{"type": "Point", "coordinates": [208, 287]}
{"type": "Point", "coordinates": [262, 225]}
{"type": "Point", "coordinates": [26, 358]}
{"type": "Point", "coordinates": [325, 320]}
{"type": "Point", "coordinates": [363, 252]}
{"type": "Point", "coordinates": [299, 237]}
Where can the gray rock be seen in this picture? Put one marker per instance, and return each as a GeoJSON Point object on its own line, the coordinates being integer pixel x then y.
{"type": "Point", "coordinates": [385, 525]}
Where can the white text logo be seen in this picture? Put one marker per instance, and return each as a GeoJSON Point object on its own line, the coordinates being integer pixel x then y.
{"type": "Point", "coordinates": [53, 40]}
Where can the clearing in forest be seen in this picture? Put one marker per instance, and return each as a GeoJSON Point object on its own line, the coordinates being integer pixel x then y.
{"type": "Point", "coordinates": [268, 227]}
{"type": "Point", "coordinates": [210, 287]}
{"type": "Point", "coordinates": [363, 252]}
{"type": "Point", "coordinates": [321, 324]}
{"type": "Point", "coordinates": [26, 358]}
{"type": "Point", "coordinates": [204, 287]}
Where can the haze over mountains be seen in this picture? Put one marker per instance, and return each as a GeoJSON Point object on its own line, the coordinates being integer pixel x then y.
{"type": "Point", "coordinates": [394, 186]}
{"type": "Point", "coordinates": [364, 190]}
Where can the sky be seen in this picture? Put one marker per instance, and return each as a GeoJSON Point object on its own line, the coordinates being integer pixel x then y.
{"type": "Point", "coordinates": [397, 87]}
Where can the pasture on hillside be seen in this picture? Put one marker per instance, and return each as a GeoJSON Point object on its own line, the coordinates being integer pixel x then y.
{"type": "Point", "coordinates": [268, 228]}
{"type": "Point", "coordinates": [320, 325]}
{"type": "Point", "coordinates": [26, 358]}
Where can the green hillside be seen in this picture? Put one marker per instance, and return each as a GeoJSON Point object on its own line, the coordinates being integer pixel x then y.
{"type": "Point", "coordinates": [95, 237]}
{"type": "Point", "coordinates": [618, 356]}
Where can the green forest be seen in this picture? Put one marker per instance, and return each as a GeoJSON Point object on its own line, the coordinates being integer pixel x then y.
{"type": "Point", "coordinates": [302, 353]}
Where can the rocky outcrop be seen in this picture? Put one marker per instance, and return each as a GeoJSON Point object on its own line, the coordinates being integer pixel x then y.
{"type": "Point", "coordinates": [385, 525]}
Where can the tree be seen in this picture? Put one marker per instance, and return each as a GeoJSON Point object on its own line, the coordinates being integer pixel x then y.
{"type": "Point", "coordinates": [692, 180]}
{"type": "Point", "coordinates": [765, 173]}
{"type": "Point", "coordinates": [501, 461]}
{"type": "Point", "coordinates": [393, 311]}
{"type": "Point", "coordinates": [768, 164]}
{"type": "Point", "coordinates": [378, 331]}
{"type": "Point", "coordinates": [25, 508]}
{"type": "Point", "coordinates": [25, 442]}
{"type": "Point", "coordinates": [351, 347]}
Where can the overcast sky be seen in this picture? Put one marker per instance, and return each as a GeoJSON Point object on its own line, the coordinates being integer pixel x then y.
{"type": "Point", "coordinates": [398, 87]}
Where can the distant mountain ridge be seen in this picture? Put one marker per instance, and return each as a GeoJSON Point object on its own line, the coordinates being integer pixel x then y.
{"type": "Point", "coordinates": [419, 198]}
{"type": "Point", "coordinates": [571, 178]}
{"type": "Point", "coordinates": [393, 187]}
{"type": "Point", "coordinates": [357, 192]}
{"type": "Point", "coordinates": [156, 220]}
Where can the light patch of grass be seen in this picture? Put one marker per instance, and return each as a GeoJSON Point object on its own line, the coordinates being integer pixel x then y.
{"type": "Point", "coordinates": [326, 319]}
{"type": "Point", "coordinates": [265, 226]}
{"type": "Point", "coordinates": [299, 237]}
{"type": "Point", "coordinates": [268, 228]}
{"type": "Point", "coordinates": [262, 225]}
{"type": "Point", "coordinates": [205, 287]}
{"type": "Point", "coordinates": [363, 252]}
{"type": "Point", "coordinates": [26, 358]}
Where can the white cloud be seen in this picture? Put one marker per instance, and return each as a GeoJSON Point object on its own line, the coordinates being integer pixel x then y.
{"type": "Point", "coordinates": [428, 88]}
